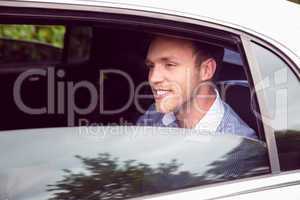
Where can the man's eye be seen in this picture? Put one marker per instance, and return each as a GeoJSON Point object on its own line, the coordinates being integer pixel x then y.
{"type": "Point", "coordinates": [171, 65]}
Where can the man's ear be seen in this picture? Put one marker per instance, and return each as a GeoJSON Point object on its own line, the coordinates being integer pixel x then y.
{"type": "Point", "coordinates": [208, 69]}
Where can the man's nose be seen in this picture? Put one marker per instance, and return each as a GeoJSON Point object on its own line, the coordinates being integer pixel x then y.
{"type": "Point", "coordinates": [156, 75]}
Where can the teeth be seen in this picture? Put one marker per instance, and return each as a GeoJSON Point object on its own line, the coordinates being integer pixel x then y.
{"type": "Point", "coordinates": [161, 92]}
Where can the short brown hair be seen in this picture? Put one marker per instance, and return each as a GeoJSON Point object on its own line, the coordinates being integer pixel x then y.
{"type": "Point", "coordinates": [205, 51]}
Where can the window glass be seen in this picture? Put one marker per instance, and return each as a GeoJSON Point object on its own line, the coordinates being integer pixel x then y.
{"type": "Point", "coordinates": [23, 44]}
{"type": "Point", "coordinates": [79, 47]}
{"type": "Point", "coordinates": [232, 57]}
{"type": "Point", "coordinates": [120, 162]}
{"type": "Point", "coordinates": [282, 91]}
{"type": "Point", "coordinates": [101, 90]}
{"type": "Point", "coordinates": [42, 55]}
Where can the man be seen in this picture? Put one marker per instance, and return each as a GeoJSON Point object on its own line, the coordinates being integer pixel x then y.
{"type": "Point", "coordinates": [181, 74]}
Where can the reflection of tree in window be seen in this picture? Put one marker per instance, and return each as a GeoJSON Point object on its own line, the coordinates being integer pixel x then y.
{"type": "Point", "coordinates": [108, 178]}
{"type": "Point", "coordinates": [250, 158]}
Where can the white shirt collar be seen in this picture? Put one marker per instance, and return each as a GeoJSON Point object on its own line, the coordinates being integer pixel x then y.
{"type": "Point", "coordinates": [209, 122]}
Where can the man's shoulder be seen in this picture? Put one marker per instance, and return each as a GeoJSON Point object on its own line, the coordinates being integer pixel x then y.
{"type": "Point", "coordinates": [232, 123]}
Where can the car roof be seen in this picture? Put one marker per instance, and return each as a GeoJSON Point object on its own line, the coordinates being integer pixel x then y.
{"type": "Point", "coordinates": [277, 20]}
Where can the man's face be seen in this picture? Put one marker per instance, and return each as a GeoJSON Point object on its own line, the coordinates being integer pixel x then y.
{"type": "Point", "coordinates": [173, 74]}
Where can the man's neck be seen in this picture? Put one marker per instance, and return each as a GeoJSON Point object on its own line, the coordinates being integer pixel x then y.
{"type": "Point", "coordinates": [193, 111]}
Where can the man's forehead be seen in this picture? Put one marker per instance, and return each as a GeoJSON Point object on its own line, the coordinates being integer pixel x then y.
{"type": "Point", "coordinates": [168, 47]}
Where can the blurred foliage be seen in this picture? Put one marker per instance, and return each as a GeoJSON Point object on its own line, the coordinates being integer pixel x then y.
{"type": "Point", "coordinates": [49, 34]}
{"type": "Point", "coordinates": [107, 177]}
{"type": "Point", "coordinates": [295, 1]}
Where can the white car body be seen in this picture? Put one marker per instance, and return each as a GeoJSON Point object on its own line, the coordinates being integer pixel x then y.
{"type": "Point", "coordinates": [275, 22]}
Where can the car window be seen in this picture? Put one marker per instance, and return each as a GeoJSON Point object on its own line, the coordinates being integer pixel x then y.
{"type": "Point", "coordinates": [281, 88]}
{"type": "Point", "coordinates": [92, 83]}
{"type": "Point", "coordinates": [75, 55]}
{"type": "Point", "coordinates": [79, 44]}
{"type": "Point", "coordinates": [77, 89]}
{"type": "Point", "coordinates": [39, 51]}
{"type": "Point", "coordinates": [121, 162]}
{"type": "Point", "coordinates": [232, 57]}
{"type": "Point", "coordinates": [30, 44]}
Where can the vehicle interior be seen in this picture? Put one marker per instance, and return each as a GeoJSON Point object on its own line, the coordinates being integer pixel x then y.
{"type": "Point", "coordinates": [90, 48]}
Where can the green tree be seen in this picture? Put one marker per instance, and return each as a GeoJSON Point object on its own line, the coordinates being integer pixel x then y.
{"type": "Point", "coordinates": [52, 34]}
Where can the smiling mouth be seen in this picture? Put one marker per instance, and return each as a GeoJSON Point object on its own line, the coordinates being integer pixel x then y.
{"type": "Point", "coordinates": [161, 93]}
